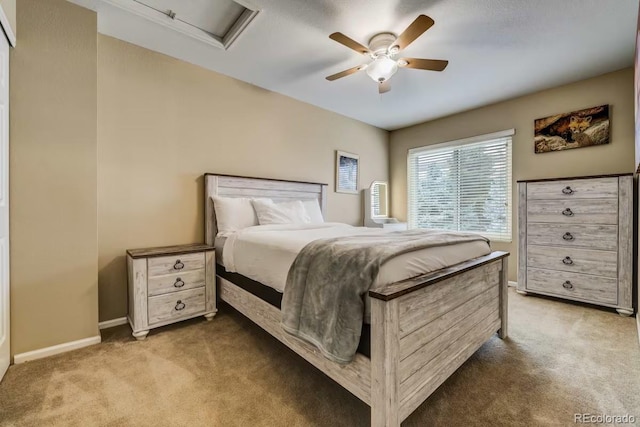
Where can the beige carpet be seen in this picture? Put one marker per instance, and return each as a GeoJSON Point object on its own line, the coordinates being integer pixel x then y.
{"type": "Point", "coordinates": [561, 359]}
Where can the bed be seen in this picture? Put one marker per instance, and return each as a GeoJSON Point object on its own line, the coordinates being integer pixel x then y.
{"type": "Point", "coordinates": [421, 329]}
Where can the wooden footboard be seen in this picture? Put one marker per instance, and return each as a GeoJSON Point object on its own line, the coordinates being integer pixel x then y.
{"type": "Point", "coordinates": [425, 328]}
{"type": "Point", "coordinates": [422, 330]}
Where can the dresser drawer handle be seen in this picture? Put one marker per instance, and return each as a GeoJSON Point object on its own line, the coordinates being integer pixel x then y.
{"type": "Point", "coordinates": [180, 305]}
{"type": "Point", "coordinates": [568, 237]}
{"type": "Point", "coordinates": [178, 265]}
{"type": "Point", "coordinates": [179, 283]}
{"type": "Point", "coordinates": [567, 261]}
{"type": "Point", "coordinates": [567, 190]}
{"type": "Point", "coordinates": [567, 212]}
{"type": "Point", "coordinates": [567, 285]}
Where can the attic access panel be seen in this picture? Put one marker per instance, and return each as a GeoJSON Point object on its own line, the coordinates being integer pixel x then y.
{"type": "Point", "coordinates": [216, 22]}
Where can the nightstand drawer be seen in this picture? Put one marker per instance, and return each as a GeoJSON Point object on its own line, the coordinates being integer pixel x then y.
{"type": "Point", "coordinates": [175, 264]}
{"type": "Point", "coordinates": [595, 188]}
{"type": "Point", "coordinates": [573, 285]}
{"type": "Point", "coordinates": [176, 282]}
{"type": "Point", "coordinates": [176, 305]}
{"type": "Point", "coordinates": [578, 211]}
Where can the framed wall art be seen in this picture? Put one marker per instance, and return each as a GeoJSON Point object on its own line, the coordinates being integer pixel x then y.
{"type": "Point", "coordinates": [577, 129]}
{"type": "Point", "coordinates": [347, 172]}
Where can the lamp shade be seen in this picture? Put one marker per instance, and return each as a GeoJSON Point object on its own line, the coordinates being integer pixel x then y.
{"type": "Point", "coordinates": [382, 68]}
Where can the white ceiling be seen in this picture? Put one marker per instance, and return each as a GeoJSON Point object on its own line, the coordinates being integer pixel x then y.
{"type": "Point", "coordinates": [497, 49]}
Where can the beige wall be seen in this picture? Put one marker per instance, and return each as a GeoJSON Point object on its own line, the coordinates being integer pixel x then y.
{"type": "Point", "coordinates": [9, 9]}
{"type": "Point", "coordinates": [163, 123]}
{"type": "Point", "coordinates": [53, 217]}
{"type": "Point", "coordinates": [615, 89]}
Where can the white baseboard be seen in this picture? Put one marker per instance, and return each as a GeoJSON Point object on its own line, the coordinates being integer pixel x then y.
{"type": "Point", "coordinates": [56, 349]}
{"type": "Point", "coordinates": [113, 322]}
{"type": "Point", "coordinates": [513, 284]}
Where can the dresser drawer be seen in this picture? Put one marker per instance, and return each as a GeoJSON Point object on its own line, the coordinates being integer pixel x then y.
{"type": "Point", "coordinates": [573, 260]}
{"type": "Point", "coordinates": [594, 188]}
{"type": "Point", "coordinates": [176, 305]}
{"type": "Point", "coordinates": [577, 211]}
{"type": "Point", "coordinates": [573, 285]}
{"type": "Point", "coordinates": [175, 264]}
{"type": "Point", "coordinates": [602, 237]}
{"type": "Point", "coordinates": [176, 282]}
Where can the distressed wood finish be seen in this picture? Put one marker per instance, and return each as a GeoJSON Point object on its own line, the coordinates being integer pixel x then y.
{"type": "Point", "coordinates": [427, 326]}
{"type": "Point", "coordinates": [138, 297]}
{"type": "Point", "coordinates": [168, 250]}
{"type": "Point", "coordinates": [596, 188]}
{"type": "Point", "coordinates": [583, 286]}
{"type": "Point", "coordinates": [155, 286]}
{"type": "Point", "coordinates": [176, 306]}
{"type": "Point", "coordinates": [238, 186]}
{"type": "Point", "coordinates": [578, 211]}
{"type": "Point", "coordinates": [385, 363]}
{"type": "Point", "coordinates": [398, 289]}
{"type": "Point", "coordinates": [419, 337]}
{"type": "Point", "coordinates": [445, 364]}
{"type": "Point", "coordinates": [596, 263]}
{"type": "Point", "coordinates": [603, 237]}
{"type": "Point", "coordinates": [425, 305]}
{"type": "Point", "coordinates": [503, 332]}
{"type": "Point", "coordinates": [625, 247]}
{"type": "Point", "coordinates": [210, 284]}
{"type": "Point", "coordinates": [176, 282]}
{"type": "Point", "coordinates": [573, 260]}
{"type": "Point", "coordinates": [175, 264]}
{"type": "Point", "coordinates": [355, 376]}
{"type": "Point", "coordinates": [522, 237]}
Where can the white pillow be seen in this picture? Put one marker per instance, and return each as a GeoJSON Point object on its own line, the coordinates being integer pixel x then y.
{"type": "Point", "coordinates": [269, 212]}
{"type": "Point", "coordinates": [234, 213]}
{"type": "Point", "coordinates": [313, 209]}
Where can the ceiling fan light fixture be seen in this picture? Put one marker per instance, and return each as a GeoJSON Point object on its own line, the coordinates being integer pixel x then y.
{"type": "Point", "coordinates": [382, 68]}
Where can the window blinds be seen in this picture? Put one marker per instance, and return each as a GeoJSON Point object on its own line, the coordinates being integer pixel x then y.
{"type": "Point", "coordinates": [463, 186]}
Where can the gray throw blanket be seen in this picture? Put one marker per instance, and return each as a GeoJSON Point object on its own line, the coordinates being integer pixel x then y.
{"type": "Point", "coordinates": [323, 302]}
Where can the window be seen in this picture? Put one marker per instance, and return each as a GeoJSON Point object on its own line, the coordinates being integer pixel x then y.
{"type": "Point", "coordinates": [463, 186]}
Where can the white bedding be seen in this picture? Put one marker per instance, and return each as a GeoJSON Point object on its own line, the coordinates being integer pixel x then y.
{"type": "Point", "coordinates": [265, 253]}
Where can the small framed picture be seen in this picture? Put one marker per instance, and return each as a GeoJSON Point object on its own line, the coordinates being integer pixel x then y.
{"type": "Point", "coordinates": [347, 172]}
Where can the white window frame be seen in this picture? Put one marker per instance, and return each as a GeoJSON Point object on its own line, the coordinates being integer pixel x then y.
{"type": "Point", "coordinates": [461, 142]}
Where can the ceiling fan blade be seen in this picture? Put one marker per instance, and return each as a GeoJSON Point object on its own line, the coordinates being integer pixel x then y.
{"type": "Point", "coordinates": [413, 31]}
{"type": "Point", "coordinates": [384, 87]}
{"type": "Point", "coordinates": [350, 43]}
{"type": "Point", "coordinates": [424, 64]}
{"type": "Point", "coordinates": [345, 73]}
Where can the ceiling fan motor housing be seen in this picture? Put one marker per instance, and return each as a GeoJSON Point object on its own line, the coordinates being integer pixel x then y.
{"type": "Point", "coordinates": [380, 44]}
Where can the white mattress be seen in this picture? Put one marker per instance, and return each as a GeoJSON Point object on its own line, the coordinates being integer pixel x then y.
{"type": "Point", "coordinates": [265, 253]}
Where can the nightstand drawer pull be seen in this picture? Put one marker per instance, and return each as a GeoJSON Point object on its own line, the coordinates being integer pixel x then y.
{"type": "Point", "coordinates": [567, 260]}
{"type": "Point", "coordinates": [568, 237]}
{"type": "Point", "coordinates": [179, 283]}
{"type": "Point", "coordinates": [567, 190]}
{"type": "Point", "coordinates": [178, 265]}
{"type": "Point", "coordinates": [180, 305]}
{"type": "Point", "coordinates": [567, 212]}
{"type": "Point", "coordinates": [567, 285]}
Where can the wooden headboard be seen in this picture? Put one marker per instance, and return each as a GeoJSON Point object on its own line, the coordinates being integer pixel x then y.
{"type": "Point", "coordinates": [242, 186]}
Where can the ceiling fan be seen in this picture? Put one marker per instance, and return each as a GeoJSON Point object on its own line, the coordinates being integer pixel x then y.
{"type": "Point", "coordinates": [383, 48]}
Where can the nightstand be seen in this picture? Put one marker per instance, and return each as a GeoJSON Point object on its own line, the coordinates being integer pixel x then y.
{"type": "Point", "coordinates": [169, 284]}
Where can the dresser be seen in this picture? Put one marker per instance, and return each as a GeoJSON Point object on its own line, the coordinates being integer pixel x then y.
{"type": "Point", "coordinates": [169, 284]}
{"type": "Point", "coordinates": [576, 239]}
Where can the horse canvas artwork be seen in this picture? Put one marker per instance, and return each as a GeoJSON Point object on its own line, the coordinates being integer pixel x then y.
{"type": "Point", "coordinates": [583, 128]}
